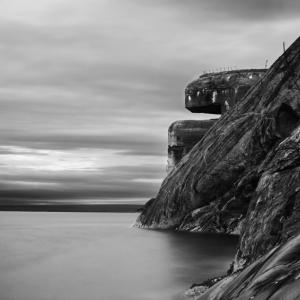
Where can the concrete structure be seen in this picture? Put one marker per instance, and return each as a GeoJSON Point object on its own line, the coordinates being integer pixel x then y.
{"type": "Point", "coordinates": [213, 93]}
{"type": "Point", "coordinates": [182, 136]}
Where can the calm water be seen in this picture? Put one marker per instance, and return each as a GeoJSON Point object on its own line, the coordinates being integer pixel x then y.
{"type": "Point", "coordinates": [87, 256]}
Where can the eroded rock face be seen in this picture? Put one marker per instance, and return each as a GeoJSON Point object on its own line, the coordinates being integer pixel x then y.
{"type": "Point", "coordinates": [212, 187]}
{"type": "Point", "coordinates": [244, 176]}
{"type": "Point", "coordinates": [274, 212]}
{"type": "Point", "coordinates": [216, 93]}
{"type": "Point", "coordinates": [275, 276]}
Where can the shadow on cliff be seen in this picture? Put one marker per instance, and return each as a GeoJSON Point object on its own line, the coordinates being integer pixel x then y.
{"type": "Point", "coordinates": [243, 176]}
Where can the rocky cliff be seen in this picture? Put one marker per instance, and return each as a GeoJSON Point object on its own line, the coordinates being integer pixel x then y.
{"type": "Point", "coordinates": [244, 177]}
{"type": "Point", "coordinates": [274, 276]}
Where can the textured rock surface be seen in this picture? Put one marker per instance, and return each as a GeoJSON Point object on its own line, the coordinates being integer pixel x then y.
{"type": "Point", "coordinates": [275, 276]}
{"type": "Point", "coordinates": [183, 136]}
{"type": "Point", "coordinates": [274, 212]}
{"type": "Point", "coordinates": [215, 93]}
{"type": "Point", "coordinates": [227, 169]}
{"type": "Point", "coordinates": [244, 176]}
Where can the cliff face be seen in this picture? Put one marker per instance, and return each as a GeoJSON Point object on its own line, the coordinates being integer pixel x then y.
{"type": "Point", "coordinates": [273, 216]}
{"type": "Point", "coordinates": [275, 276]}
{"type": "Point", "coordinates": [243, 176]}
{"type": "Point", "coordinates": [271, 229]}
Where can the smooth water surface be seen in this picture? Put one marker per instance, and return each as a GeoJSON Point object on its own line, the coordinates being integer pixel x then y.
{"type": "Point", "coordinates": [87, 256]}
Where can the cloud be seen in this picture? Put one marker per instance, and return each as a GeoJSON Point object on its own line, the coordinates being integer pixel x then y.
{"type": "Point", "coordinates": [34, 175]}
{"type": "Point", "coordinates": [249, 10]}
{"type": "Point", "coordinates": [136, 144]}
{"type": "Point", "coordinates": [89, 88]}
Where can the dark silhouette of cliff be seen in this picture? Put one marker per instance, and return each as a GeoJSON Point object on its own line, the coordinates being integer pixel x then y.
{"type": "Point", "coordinates": [244, 176]}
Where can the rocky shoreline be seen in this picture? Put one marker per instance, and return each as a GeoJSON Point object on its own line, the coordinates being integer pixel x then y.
{"type": "Point", "coordinates": [273, 276]}
{"type": "Point", "coordinates": [243, 177]}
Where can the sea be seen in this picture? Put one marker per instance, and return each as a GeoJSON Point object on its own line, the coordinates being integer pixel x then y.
{"type": "Point", "coordinates": [100, 256]}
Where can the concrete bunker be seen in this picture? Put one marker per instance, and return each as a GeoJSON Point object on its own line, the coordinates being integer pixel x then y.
{"type": "Point", "coordinates": [211, 93]}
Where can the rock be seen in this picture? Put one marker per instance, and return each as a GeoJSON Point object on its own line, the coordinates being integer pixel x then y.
{"type": "Point", "coordinates": [196, 291]}
{"type": "Point", "coordinates": [199, 289]}
{"type": "Point", "coordinates": [244, 176]}
{"type": "Point", "coordinates": [275, 276]}
{"type": "Point", "coordinates": [274, 212]}
{"type": "Point", "coordinates": [226, 170]}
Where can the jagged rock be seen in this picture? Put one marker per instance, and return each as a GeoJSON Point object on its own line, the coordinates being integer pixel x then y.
{"type": "Point", "coordinates": [183, 136]}
{"type": "Point", "coordinates": [196, 291]}
{"type": "Point", "coordinates": [275, 276]}
{"type": "Point", "coordinates": [206, 219]}
{"type": "Point", "coordinates": [274, 212]}
{"type": "Point", "coordinates": [227, 169]}
{"type": "Point", "coordinates": [215, 93]}
{"type": "Point", "coordinates": [245, 173]}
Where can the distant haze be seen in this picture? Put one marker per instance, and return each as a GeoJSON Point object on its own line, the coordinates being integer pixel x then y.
{"type": "Point", "coordinates": [88, 88]}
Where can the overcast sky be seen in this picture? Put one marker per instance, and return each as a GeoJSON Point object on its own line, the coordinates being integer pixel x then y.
{"type": "Point", "coordinates": [88, 88]}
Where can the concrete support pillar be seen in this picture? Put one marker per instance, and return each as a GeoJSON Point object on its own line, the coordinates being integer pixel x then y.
{"type": "Point", "coordinates": [183, 136]}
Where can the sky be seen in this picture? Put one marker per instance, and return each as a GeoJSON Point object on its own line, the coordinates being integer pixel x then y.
{"type": "Point", "coordinates": [88, 88]}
